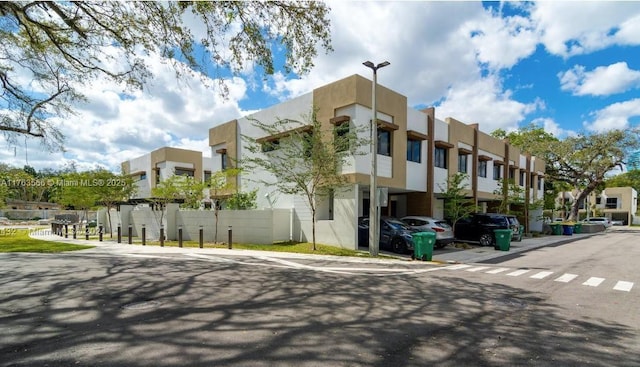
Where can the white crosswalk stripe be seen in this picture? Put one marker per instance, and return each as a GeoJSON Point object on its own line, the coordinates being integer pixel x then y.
{"type": "Point", "coordinates": [479, 268]}
{"type": "Point", "coordinates": [593, 281]}
{"type": "Point", "coordinates": [518, 272]}
{"type": "Point", "coordinates": [623, 286]}
{"type": "Point", "coordinates": [458, 267]}
{"type": "Point", "coordinates": [497, 270]}
{"type": "Point", "coordinates": [541, 275]}
{"type": "Point", "coordinates": [566, 278]}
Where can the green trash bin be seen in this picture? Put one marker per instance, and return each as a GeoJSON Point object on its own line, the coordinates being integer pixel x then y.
{"type": "Point", "coordinates": [503, 239]}
{"type": "Point", "coordinates": [556, 229]}
{"type": "Point", "coordinates": [423, 245]}
{"type": "Point", "coordinates": [577, 228]}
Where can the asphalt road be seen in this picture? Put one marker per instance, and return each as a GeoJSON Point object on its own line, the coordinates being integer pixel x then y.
{"type": "Point", "coordinates": [164, 307]}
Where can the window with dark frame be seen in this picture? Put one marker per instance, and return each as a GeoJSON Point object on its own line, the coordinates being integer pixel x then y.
{"type": "Point", "coordinates": [482, 168]}
{"type": "Point", "coordinates": [340, 141]}
{"type": "Point", "coordinates": [183, 172]}
{"type": "Point", "coordinates": [223, 160]}
{"type": "Point", "coordinates": [463, 159]}
{"type": "Point", "coordinates": [414, 150]}
{"type": "Point", "coordinates": [522, 176]}
{"type": "Point", "coordinates": [496, 172]}
{"type": "Point", "coordinates": [440, 157]}
{"type": "Point", "coordinates": [384, 142]}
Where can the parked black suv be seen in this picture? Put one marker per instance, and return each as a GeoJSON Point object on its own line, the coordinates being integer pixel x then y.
{"type": "Point", "coordinates": [480, 228]}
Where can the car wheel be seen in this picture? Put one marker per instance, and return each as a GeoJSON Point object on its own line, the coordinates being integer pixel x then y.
{"type": "Point", "coordinates": [399, 246]}
{"type": "Point", "coordinates": [486, 239]}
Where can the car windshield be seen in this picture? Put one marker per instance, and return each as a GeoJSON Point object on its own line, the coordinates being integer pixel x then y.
{"type": "Point", "coordinates": [396, 224]}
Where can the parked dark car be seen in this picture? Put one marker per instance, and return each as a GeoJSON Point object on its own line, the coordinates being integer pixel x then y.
{"type": "Point", "coordinates": [480, 228]}
{"type": "Point", "coordinates": [395, 235]}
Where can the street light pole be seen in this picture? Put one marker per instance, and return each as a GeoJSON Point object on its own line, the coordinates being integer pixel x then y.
{"type": "Point", "coordinates": [374, 221]}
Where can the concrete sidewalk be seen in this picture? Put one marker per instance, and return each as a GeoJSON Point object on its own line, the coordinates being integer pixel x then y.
{"type": "Point", "coordinates": [450, 254]}
{"type": "Point", "coordinates": [477, 254]}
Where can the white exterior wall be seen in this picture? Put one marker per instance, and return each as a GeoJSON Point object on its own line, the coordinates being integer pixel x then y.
{"type": "Point", "coordinates": [440, 175]}
{"type": "Point", "coordinates": [488, 184]}
{"type": "Point", "coordinates": [466, 183]}
{"type": "Point", "coordinates": [294, 109]}
{"type": "Point", "coordinates": [417, 172]}
{"type": "Point", "coordinates": [342, 231]}
{"type": "Point", "coordinates": [142, 163]}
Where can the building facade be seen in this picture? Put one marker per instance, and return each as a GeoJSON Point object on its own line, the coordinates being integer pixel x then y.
{"type": "Point", "coordinates": [150, 169]}
{"type": "Point", "coordinates": [416, 155]}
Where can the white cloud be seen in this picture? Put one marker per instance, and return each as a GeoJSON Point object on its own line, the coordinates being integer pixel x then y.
{"type": "Point", "coordinates": [573, 28]}
{"type": "Point", "coordinates": [502, 42]}
{"type": "Point", "coordinates": [614, 116]}
{"type": "Point", "coordinates": [552, 127]}
{"type": "Point", "coordinates": [485, 103]}
{"type": "Point", "coordinates": [602, 81]}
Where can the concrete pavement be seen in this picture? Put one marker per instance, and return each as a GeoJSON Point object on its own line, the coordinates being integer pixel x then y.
{"type": "Point", "coordinates": [451, 254]}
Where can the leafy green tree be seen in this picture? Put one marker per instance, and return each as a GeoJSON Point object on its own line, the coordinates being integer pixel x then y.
{"type": "Point", "coordinates": [219, 186]}
{"type": "Point", "coordinates": [75, 190]}
{"type": "Point", "coordinates": [626, 179]}
{"type": "Point", "coordinates": [58, 45]}
{"type": "Point", "coordinates": [243, 200]}
{"type": "Point", "coordinates": [303, 157]}
{"type": "Point", "coordinates": [167, 191]}
{"type": "Point", "coordinates": [513, 202]}
{"type": "Point", "coordinates": [111, 189]}
{"type": "Point", "coordinates": [457, 204]}
{"type": "Point", "coordinates": [581, 161]}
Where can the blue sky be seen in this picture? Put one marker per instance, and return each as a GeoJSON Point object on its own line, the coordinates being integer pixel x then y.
{"type": "Point", "coordinates": [567, 66]}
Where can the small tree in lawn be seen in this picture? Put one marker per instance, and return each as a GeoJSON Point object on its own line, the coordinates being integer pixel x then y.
{"type": "Point", "coordinates": [515, 195]}
{"type": "Point", "coordinates": [303, 158]}
{"type": "Point", "coordinates": [167, 191]}
{"type": "Point", "coordinates": [112, 189]}
{"type": "Point", "coordinates": [456, 203]}
{"type": "Point", "coordinates": [219, 185]}
{"type": "Point", "coordinates": [76, 190]}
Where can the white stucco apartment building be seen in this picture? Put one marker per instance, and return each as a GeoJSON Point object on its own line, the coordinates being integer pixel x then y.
{"type": "Point", "coordinates": [416, 154]}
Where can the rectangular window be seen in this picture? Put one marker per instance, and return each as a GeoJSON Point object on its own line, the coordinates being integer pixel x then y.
{"type": "Point", "coordinates": [414, 150]}
{"type": "Point", "coordinates": [269, 146]}
{"type": "Point", "coordinates": [533, 178]}
{"type": "Point", "coordinates": [183, 172]}
{"type": "Point", "coordinates": [539, 183]}
{"type": "Point", "coordinates": [462, 163]}
{"type": "Point", "coordinates": [143, 176]}
{"type": "Point", "coordinates": [207, 178]}
{"type": "Point", "coordinates": [341, 137]}
{"type": "Point", "coordinates": [384, 142]}
{"type": "Point", "coordinates": [598, 200]}
{"type": "Point", "coordinates": [223, 160]}
{"type": "Point", "coordinates": [496, 172]}
{"type": "Point", "coordinates": [522, 176]}
{"type": "Point", "coordinates": [440, 158]}
{"type": "Point", "coordinates": [482, 169]}
{"type": "Point", "coordinates": [612, 203]}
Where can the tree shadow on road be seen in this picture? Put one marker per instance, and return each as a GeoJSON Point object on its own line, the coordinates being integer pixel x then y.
{"type": "Point", "coordinates": [108, 311]}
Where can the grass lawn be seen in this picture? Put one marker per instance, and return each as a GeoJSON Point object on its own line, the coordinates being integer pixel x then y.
{"type": "Point", "coordinates": [18, 240]}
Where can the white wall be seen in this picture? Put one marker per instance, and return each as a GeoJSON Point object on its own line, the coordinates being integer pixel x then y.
{"type": "Point", "coordinates": [417, 172]}
{"type": "Point", "coordinates": [142, 163]}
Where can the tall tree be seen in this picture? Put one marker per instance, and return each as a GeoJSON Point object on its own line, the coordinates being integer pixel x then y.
{"type": "Point", "coordinates": [581, 161]}
{"type": "Point", "coordinates": [303, 157]}
{"type": "Point", "coordinates": [47, 48]}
